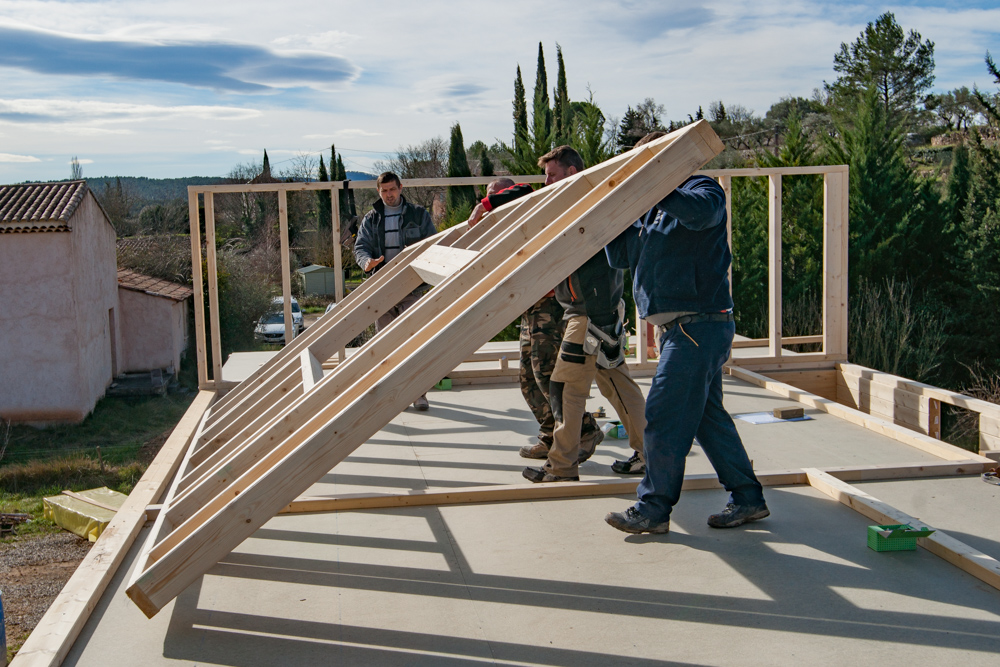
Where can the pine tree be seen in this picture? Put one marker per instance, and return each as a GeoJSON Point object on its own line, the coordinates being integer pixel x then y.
{"type": "Point", "coordinates": [629, 130]}
{"type": "Point", "coordinates": [348, 208]}
{"type": "Point", "coordinates": [541, 114]}
{"type": "Point", "coordinates": [460, 197]}
{"type": "Point", "coordinates": [324, 205]}
{"type": "Point", "coordinates": [561, 112]}
{"type": "Point", "coordinates": [485, 163]}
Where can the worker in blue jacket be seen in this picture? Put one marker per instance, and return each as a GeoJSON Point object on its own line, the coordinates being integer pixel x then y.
{"type": "Point", "coordinates": [679, 257]}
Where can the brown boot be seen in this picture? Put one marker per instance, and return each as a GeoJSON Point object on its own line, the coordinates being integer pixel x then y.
{"type": "Point", "coordinates": [539, 450]}
{"type": "Point", "coordinates": [589, 443]}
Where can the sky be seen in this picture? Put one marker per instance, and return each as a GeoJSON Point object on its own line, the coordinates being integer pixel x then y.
{"type": "Point", "coordinates": [180, 88]}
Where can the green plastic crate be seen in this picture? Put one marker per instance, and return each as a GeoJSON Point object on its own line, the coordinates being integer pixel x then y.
{"type": "Point", "coordinates": [901, 537]}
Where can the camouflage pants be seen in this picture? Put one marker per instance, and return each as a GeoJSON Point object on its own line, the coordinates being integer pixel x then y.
{"type": "Point", "coordinates": [541, 334]}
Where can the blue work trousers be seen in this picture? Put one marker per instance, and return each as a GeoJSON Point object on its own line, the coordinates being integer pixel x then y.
{"type": "Point", "coordinates": [684, 403]}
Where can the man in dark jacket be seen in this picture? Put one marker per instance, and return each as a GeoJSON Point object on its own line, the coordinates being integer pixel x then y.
{"type": "Point", "coordinates": [591, 349]}
{"type": "Point", "coordinates": [679, 257]}
{"type": "Point", "coordinates": [391, 225]}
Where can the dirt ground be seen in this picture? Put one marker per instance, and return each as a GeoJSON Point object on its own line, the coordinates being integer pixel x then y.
{"type": "Point", "coordinates": [32, 572]}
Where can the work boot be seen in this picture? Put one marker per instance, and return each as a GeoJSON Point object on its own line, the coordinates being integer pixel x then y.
{"type": "Point", "coordinates": [539, 450]}
{"type": "Point", "coordinates": [588, 444]}
{"type": "Point", "coordinates": [421, 404]}
{"type": "Point", "coordinates": [737, 515]}
{"type": "Point", "coordinates": [539, 475]}
{"type": "Point", "coordinates": [633, 521]}
{"type": "Point", "coordinates": [634, 466]}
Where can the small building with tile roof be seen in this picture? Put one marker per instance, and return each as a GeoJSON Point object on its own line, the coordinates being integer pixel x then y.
{"type": "Point", "coordinates": [59, 333]}
{"type": "Point", "coordinates": [154, 322]}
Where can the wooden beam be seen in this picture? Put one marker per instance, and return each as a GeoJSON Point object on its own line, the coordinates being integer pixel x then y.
{"type": "Point", "coordinates": [835, 240]}
{"type": "Point", "coordinates": [312, 371]}
{"type": "Point", "coordinates": [201, 353]}
{"type": "Point", "coordinates": [992, 410]}
{"type": "Point", "coordinates": [286, 268]}
{"type": "Point", "coordinates": [50, 641]}
{"type": "Point", "coordinates": [899, 433]}
{"type": "Point", "coordinates": [614, 487]}
{"type": "Point", "coordinates": [213, 287]}
{"type": "Point", "coordinates": [981, 566]}
{"type": "Point", "coordinates": [438, 263]}
{"type": "Point", "coordinates": [774, 265]}
{"type": "Point", "coordinates": [785, 341]}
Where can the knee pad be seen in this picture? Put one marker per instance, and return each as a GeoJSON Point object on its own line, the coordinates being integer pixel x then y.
{"type": "Point", "coordinates": [555, 400]}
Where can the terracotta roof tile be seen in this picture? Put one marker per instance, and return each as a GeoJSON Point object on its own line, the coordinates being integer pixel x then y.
{"type": "Point", "coordinates": [39, 207]}
{"type": "Point", "coordinates": [154, 286]}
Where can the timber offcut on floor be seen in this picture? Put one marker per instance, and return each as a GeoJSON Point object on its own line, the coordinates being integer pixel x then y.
{"type": "Point", "coordinates": [548, 582]}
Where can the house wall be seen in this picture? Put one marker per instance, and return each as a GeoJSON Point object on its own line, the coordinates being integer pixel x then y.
{"type": "Point", "coordinates": [55, 341]}
{"type": "Point", "coordinates": [154, 331]}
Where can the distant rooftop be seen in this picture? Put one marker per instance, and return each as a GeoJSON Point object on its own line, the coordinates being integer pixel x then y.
{"type": "Point", "coordinates": [153, 286]}
{"type": "Point", "coordinates": [39, 207]}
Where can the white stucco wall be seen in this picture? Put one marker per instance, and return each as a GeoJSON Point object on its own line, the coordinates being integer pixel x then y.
{"type": "Point", "coordinates": [154, 331]}
{"type": "Point", "coordinates": [55, 344]}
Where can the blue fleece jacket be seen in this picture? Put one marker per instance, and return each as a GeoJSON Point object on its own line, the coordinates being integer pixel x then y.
{"type": "Point", "coordinates": [678, 252]}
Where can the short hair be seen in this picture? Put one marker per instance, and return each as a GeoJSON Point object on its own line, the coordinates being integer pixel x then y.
{"type": "Point", "coordinates": [385, 177]}
{"type": "Point", "coordinates": [565, 156]}
{"type": "Point", "coordinates": [500, 184]}
{"type": "Point", "coordinates": [652, 136]}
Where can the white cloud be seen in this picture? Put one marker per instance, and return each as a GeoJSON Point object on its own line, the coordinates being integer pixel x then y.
{"type": "Point", "coordinates": [39, 109]}
{"type": "Point", "coordinates": [10, 157]}
{"type": "Point", "coordinates": [83, 161]}
{"type": "Point", "coordinates": [349, 133]}
{"type": "Point", "coordinates": [330, 40]}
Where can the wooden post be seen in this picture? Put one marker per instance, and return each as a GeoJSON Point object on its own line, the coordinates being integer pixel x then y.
{"type": "Point", "coordinates": [338, 264]}
{"type": "Point", "coordinates": [199, 288]}
{"type": "Point", "coordinates": [213, 287]}
{"type": "Point", "coordinates": [835, 254]}
{"type": "Point", "coordinates": [774, 265]}
{"type": "Point", "coordinates": [286, 281]}
{"type": "Point", "coordinates": [727, 186]}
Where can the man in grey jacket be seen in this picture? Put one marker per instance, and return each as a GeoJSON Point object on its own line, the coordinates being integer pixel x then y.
{"type": "Point", "coordinates": [391, 225]}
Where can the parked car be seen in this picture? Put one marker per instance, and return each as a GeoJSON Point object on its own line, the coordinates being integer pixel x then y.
{"type": "Point", "coordinates": [278, 305]}
{"type": "Point", "coordinates": [271, 328]}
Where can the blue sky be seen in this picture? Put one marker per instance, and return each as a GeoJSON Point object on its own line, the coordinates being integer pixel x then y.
{"type": "Point", "coordinates": [179, 88]}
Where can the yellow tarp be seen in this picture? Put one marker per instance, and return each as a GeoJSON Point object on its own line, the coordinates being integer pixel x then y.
{"type": "Point", "coordinates": [80, 517]}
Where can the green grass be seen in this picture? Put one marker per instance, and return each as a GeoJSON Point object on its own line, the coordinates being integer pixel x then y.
{"type": "Point", "coordinates": [42, 462]}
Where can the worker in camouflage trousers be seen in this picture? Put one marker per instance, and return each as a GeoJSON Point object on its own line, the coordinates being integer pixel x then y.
{"type": "Point", "coordinates": [541, 334]}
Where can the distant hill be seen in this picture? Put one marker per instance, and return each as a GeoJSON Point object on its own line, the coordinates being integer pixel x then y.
{"type": "Point", "coordinates": [162, 190]}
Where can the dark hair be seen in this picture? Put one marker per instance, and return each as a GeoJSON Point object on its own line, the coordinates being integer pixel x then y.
{"type": "Point", "coordinates": [652, 136]}
{"type": "Point", "coordinates": [565, 156]}
{"type": "Point", "coordinates": [385, 177]}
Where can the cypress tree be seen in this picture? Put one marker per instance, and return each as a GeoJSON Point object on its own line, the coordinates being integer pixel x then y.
{"type": "Point", "coordinates": [324, 205]}
{"type": "Point", "coordinates": [541, 113]}
{"type": "Point", "coordinates": [485, 163]}
{"type": "Point", "coordinates": [560, 105]}
{"type": "Point", "coordinates": [520, 115]}
{"type": "Point", "coordinates": [266, 170]}
{"type": "Point", "coordinates": [459, 197]}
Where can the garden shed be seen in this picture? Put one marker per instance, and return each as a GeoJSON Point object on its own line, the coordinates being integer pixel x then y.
{"type": "Point", "coordinates": [318, 279]}
{"type": "Point", "coordinates": [59, 334]}
{"type": "Point", "coordinates": [154, 322]}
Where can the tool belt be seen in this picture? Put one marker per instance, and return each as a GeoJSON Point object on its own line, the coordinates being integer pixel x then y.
{"type": "Point", "coordinates": [692, 319]}
{"type": "Point", "coordinates": [607, 342]}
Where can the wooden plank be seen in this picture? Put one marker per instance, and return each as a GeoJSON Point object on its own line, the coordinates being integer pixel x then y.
{"type": "Point", "coordinates": [992, 410]}
{"type": "Point", "coordinates": [881, 426]}
{"type": "Point", "coordinates": [312, 371]}
{"type": "Point", "coordinates": [531, 492]}
{"type": "Point", "coordinates": [213, 287]}
{"type": "Point", "coordinates": [768, 171]}
{"type": "Point", "coordinates": [52, 638]}
{"type": "Point", "coordinates": [885, 393]}
{"type": "Point", "coordinates": [983, 567]}
{"type": "Point", "coordinates": [774, 266]}
{"type": "Point", "coordinates": [988, 442]}
{"type": "Point", "coordinates": [796, 362]}
{"type": "Point", "coordinates": [358, 185]}
{"type": "Point", "coordinates": [455, 331]}
{"type": "Point", "coordinates": [286, 269]}
{"type": "Point", "coordinates": [989, 426]}
{"type": "Point", "coordinates": [835, 271]}
{"type": "Point", "coordinates": [785, 341]}
{"type": "Point", "coordinates": [438, 263]}
{"type": "Point", "coordinates": [338, 261]}
{"type": "Point", "coordinates": [201, 353]}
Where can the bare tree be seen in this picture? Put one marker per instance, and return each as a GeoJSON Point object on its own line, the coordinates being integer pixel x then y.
{"type": "Point", "coordinates": [426, 160]}
{"type": "Point", "coordinates": [75, 170]}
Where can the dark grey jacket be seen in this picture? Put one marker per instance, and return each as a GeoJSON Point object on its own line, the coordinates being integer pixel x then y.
{"type": "Point", "coordinates": [415, 226]}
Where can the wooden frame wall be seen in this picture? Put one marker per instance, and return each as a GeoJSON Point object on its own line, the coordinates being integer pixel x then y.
{"type": "Point", "coordinates": [833, 337]}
